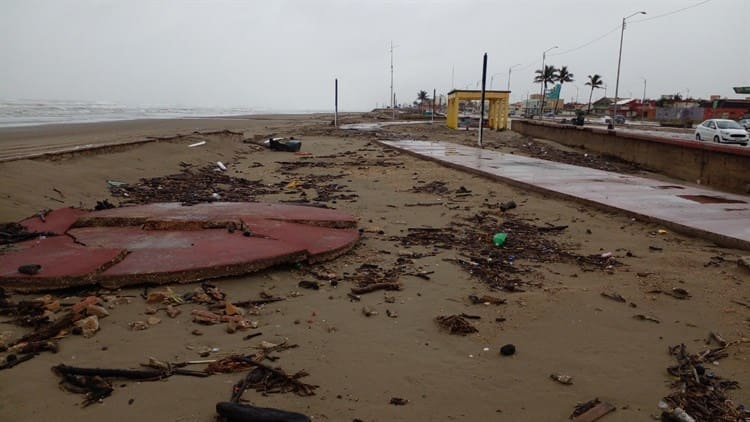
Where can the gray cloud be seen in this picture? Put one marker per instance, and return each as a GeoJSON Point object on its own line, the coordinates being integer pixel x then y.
{"type": "Point", "coordinates": [283, 55]}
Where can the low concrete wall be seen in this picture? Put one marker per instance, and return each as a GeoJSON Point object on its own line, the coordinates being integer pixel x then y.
{"type": "Point", "coordinates": [719, 166]}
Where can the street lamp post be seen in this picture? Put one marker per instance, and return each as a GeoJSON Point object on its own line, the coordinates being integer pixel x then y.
{"type": "Point", "coordinates": [509, 70]}
{"type": "Point", "coordinates": [492, 79]}
{"type": "Point", "coordinates": [643, 101]}
{"type": "Point", "coordinates": [619, 60]}
{"type": "Point", "coordinates": [541, 88]}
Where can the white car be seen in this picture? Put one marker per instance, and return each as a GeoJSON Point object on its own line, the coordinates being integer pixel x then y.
{"type": "Point", "coordinates": [722, 130]}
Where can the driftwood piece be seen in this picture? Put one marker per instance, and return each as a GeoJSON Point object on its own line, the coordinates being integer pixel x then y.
{"type": "Point", "coordinates": [52, 330]}
{"type": "Point", "coordinates": [272, 380]}
{"type": "Point", "coordinates": [238, 412]}
{"type": "Point", "coordinates": [257, 302]}
{"type": "Point", "coordinates": [591, 411]}
{"type": "Point", "coordinates": [375, 287]}
{"type": "Point", "coordinates": [133, 374]}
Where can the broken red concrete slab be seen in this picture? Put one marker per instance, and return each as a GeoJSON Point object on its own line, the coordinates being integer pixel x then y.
{"type": "Point", "coordinates": [63, 262]}
{"type": "Point", "coordinates": [213, 253]}
{"type": "Point", "coordinates": [173, 215]}
{"type": "Point", "coordinates": [162, 243]}
{"type": "Point", "coordinates": [57, 221]}
{"type": "Point", "coordinates": [321, 243]}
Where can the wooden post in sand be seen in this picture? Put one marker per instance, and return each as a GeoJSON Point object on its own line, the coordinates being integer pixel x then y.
{"type": "Point", "coordinates": [481, 105]}
{"type": "Point", "coordinates": [336, 103]}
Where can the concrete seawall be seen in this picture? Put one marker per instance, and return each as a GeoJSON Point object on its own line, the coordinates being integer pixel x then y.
{"type": "Point", "coordinates": [719, 166]}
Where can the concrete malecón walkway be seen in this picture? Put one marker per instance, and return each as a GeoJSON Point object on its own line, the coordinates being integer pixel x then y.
{"type": "Point", "coordinates": [720, 217]}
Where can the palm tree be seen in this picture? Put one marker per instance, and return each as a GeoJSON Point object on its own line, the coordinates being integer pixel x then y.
{"type": "Point", "coordinates": [422, 97]}
{"type": "Point", "coordinates": [595, 81]}
{"type": "Point", "coordinates": [545, 76]}
{"type": "Point", "coordinates": [562, 76]}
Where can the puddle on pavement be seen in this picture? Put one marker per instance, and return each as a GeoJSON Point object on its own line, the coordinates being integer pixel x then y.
{"type": "Point", "coordinates": [706, 199]}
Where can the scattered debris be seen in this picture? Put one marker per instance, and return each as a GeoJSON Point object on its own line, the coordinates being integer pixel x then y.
{"type": "Point", "coordinates": [14, 232]}
{"type": "Point", "coordinates": [269, 380]}
{"type": "Point", "coordinates": [280, 144]}
{"type": "Point", "coordinates": [643, 317]}
{"type": "Point", "coordinates": [312, 285]}
{"type": "Point", "coordinates": [486, 300]}
{"type": "Point", "coordinates": [562, 379]}
{"type": "Point", "coordinates": [398, 401]}
{"type": "Point", "coordinates": [368, 312]}
{"type": "Point", "coordinates": [591, 411]}
{"type": "Point", "coordinates": [455, 324]}
{"type": "Point", "coordinates": [436, 187]}
{"type": "Point", "coordinates": [103, 205]}
{"type": "Point", "coordinates": [508, 350]}
{"type": "Point", "coordinates": [676, 292]}
{"type": "Point", "coordinates": [88, 326]}
{"type": "Point", "coordinates": [509, 205]}
{"type": "Point", "coordinates": [614, 296]}
{"type": "Point", "coordinates": [504, 268]}
{"type": "Point", "coordinates": [197, 144]}
{"type": "Point", "coordinates": [239, 412]}
{"type": "Point", "coordinates": [699, 393]}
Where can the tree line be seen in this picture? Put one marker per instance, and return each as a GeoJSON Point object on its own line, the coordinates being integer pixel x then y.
{"type": "Point", "coordinates": [551, 74]}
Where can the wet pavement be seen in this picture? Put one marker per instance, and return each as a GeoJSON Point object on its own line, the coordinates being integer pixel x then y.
{"type": "Point", "coordinates": [716, 216]}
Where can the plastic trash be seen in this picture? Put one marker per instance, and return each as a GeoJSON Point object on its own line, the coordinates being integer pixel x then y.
{"type": "Point", "coordinates": [221, 166]}
{"type": "Point", "coordinates": [505, 206]}
{"type": "Point", "coordinates": [291, 145]}
{"type": "Point", "coordinates": [499, 238]}
{"type": "Point", "coordinates": [197, 144]}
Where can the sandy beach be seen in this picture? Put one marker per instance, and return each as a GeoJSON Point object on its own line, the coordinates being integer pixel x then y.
{"type": "Point", "coordinates": [558, 320]}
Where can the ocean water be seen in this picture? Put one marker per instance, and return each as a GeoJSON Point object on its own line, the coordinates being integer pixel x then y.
{"type": "Point", "coordinates": [31, 112]}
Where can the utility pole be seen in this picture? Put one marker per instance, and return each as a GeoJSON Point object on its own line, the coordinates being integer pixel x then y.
{"type": "Point", "coordinates": [432, 120]}
{"type": "Point", "coordinates": [509, 70]}
{"type": "Point", "coordinates": [393, 96]}
{"type": "Point", "coordinates": [541, 88]}
{"type": "Point", "coordinates": [619, 60]}
{"type": "Point", "coordinates": [336, 104]}
{"type": "Point", "coordinates": [643, 101]}
{"type": "Point", "coordinates": [481, 106]}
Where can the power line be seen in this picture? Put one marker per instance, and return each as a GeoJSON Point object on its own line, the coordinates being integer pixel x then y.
{"type": "Point", "coordinates": [615, 29]}
{"type": "Point", "coordinates": [610, 32]}
{"type": "Point", "coordinates": [672, 12]}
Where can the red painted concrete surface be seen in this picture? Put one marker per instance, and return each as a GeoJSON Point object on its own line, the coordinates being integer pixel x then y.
{"type": "Point", "coordinates": [162, 243]}
{"type": "Point", "coordinates": [727, 224]}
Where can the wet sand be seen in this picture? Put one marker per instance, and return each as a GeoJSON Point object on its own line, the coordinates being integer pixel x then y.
{"type": "Point", "coordinates": [359, 362]}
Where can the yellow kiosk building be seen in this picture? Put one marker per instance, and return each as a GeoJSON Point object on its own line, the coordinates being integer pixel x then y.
{"type": "Point", "coordinates": [498, 110]}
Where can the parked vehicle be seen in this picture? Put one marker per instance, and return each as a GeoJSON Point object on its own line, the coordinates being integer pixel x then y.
{"type": "Point", "coordinates": [745, 123]}
{"type": "Point", "coordinates": [722, 130]}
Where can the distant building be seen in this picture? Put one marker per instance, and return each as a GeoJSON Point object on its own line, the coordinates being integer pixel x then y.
{"type": "Point", "coordinates": [601, 105]}
{"type": "Point", "coordinates": [725, 109]}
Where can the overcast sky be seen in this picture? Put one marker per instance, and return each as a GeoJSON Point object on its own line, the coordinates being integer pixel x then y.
{"type": "Point", "coordinates": [284, 55]}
